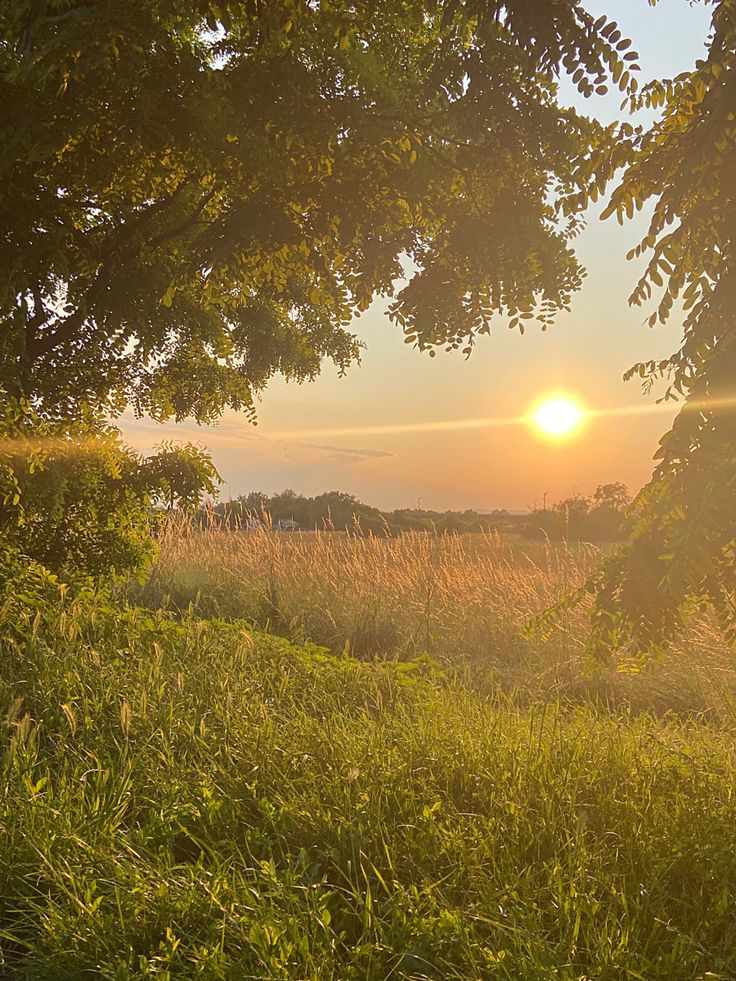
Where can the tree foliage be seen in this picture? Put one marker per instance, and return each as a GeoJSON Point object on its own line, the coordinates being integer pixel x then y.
{"type": "Point", "coordinates": [681, 555]}
{"type": "Point", "coordinates": [197, 195]}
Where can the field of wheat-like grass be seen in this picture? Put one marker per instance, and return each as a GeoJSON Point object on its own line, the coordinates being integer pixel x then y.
{"type": "Point", "coordinates": [463, 600]}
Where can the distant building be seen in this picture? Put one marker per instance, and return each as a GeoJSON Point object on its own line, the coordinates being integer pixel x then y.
{"type": "Point", "coordinates": [253, 524]}
{"type": "Point", "coordinates": [287, 524]}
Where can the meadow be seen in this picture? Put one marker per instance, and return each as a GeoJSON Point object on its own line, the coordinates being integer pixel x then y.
{"type": "Point", "coordinates": [462, 600]}
{"type": "Point", "coordinates": [189, 795]}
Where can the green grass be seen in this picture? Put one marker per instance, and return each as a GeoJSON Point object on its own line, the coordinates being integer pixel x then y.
{"type": "Point", "coordinates": [191, 800]}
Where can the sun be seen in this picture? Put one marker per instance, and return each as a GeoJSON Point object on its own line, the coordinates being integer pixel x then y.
{"type": "Point", "coordinates": [557, 416]}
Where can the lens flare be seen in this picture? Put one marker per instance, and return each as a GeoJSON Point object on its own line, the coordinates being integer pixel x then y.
{"type": "Point", "coordinates": [558, 417]}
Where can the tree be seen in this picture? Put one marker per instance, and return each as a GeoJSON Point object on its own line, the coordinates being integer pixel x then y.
{"type": "Point", "coordinates": [338, 511]}
{"type": "Point", "coordinates": [196, 195]}
{"type": "Point", "coordinates": [289, 506]}
{"type": "Point", "coordinates": [612, 497]}
{"type": "Point", "coordinates": [179, 475]}
{"type": "Point", "coordinates": [681, 555]}
{"type": "Point", "coordinates": [597, 519]}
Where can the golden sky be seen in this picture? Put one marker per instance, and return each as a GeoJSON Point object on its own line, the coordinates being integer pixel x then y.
{"type": "Point", "coordinates": [315, 437]}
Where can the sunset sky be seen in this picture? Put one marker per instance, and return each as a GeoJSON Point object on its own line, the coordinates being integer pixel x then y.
{"type": "Point", "coordinates": [315, 437]}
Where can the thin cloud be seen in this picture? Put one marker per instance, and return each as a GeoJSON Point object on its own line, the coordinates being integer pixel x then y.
{"type": "Point", "coordinates": [358, 454]}
{"type": "Point", "coordinates": [450, 425]}
{"type": "Point", "coordinates": [234, 436]}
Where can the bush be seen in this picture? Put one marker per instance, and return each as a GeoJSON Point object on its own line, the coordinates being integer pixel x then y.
{"type": "Point", "coordinates": [78, 501]}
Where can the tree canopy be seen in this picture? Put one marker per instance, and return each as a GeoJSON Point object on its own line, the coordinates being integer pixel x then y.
{"type": "Point", "coordinates": [196, 195]}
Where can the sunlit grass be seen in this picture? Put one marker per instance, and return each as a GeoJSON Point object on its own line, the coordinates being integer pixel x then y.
{"type": "Point", "coordinates": [464, 600]}
{"type": "Point", "coordinates": [188, 800]}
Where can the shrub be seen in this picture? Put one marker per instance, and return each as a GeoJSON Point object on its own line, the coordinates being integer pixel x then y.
{"type": "Point", "coordinates": [78, 501]}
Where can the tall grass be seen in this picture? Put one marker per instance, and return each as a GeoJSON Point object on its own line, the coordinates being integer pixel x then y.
{"type": "Point", "coordinates": [186, 799]}
{"type": "Point", "coordinates": [463, 600]}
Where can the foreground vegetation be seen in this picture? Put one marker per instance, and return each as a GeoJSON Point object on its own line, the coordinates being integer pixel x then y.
{"type": "Point", "coordinates": [194, 789]}
{"type": "Point", "coordinates": [188, 799]}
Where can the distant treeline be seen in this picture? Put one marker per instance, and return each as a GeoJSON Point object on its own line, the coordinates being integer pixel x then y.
{"type": "Point", "coordinates": [600, 518]}
{"type": "Point", "coordinates": [338, 511]}
{"type": "Point", "coordinates": [597, 518]}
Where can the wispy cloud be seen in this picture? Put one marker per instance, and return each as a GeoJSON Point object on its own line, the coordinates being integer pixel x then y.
{"type": "Point", "coordinates": [236, 437]}
{"type": "Point", "coordinates": [358, 454]}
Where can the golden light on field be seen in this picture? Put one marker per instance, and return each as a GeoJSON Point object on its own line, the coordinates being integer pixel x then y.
{"type": "Point", "coordinates": [557, 417]}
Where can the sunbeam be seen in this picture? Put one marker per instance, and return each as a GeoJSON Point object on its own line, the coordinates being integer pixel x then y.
{"type": "Point", "coordinates": [491, 422]}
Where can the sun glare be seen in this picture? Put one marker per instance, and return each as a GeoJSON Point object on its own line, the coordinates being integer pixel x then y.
{"type": "Point", "coordinates": [557, 417]}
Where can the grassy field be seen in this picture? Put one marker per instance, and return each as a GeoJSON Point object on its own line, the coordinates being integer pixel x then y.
{"type": "Point", "coordinates": [464, 600]}
{"type": "Point", "coordinates": [187, 797]}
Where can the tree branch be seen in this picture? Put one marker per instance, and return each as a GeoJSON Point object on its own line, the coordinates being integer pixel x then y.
{"type": "Point", "coordinates": [118, 249]}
